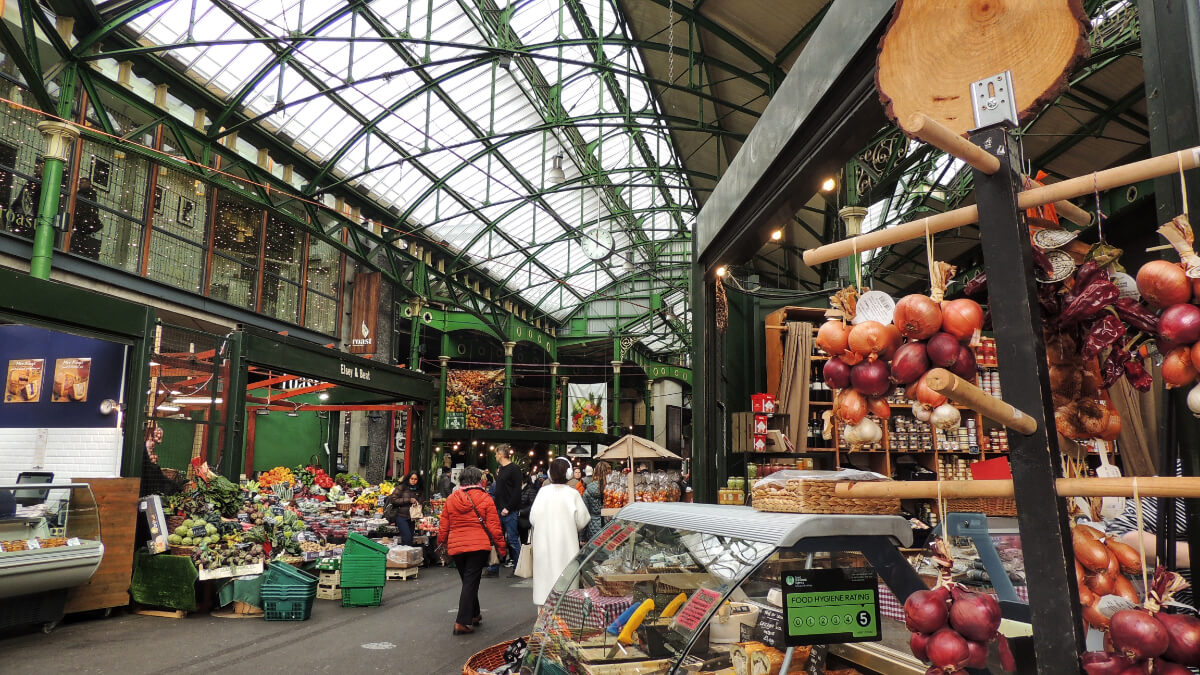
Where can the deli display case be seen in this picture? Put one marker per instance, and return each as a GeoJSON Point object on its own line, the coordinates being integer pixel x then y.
{"type": "Point", "coordinates": [50, 544]}
{"type": "Point", "coordinates": [705, 588]}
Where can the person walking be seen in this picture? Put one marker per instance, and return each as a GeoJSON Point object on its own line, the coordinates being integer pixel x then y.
{"type": "Point", "coordinates": [593, 497]}
{"type": "Point", "coordinates": [557, 516]}
{"type": "Point", "coordinates": [508, 500]}
{"type": "Point", "coordinates": [406, 494]}
{"type": "Point", "coordinates": [528, 494]}
{"type": "Point", "coordinates": [469, 528]}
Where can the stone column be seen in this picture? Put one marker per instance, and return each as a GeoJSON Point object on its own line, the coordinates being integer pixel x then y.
{"type": "Point", "coordinates": [60, 138]}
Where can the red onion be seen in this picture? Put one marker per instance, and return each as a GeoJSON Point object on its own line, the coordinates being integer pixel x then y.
{"type": "Point", "coordinates": [975, 615]}
{"type": "Point", "coordinates": [1180, 324]}
{"type": "Point", "coordinates": [909, 363]}
{"type": "Point", "coordinates": [836, 374]}
{"type": "Point", "coordinates": [942, 592]}
{"type": "Point", "coordinates": [1104, 663]}
{"type": "Point", "coordinates": [917, 316]}
{"type": "Point", "coordinates": [870, 378]}
{"type": "Point", "coordinates": [943, 350]}
{"type": "Point", "coordinates": [1168, 668]}
{"type": "Point", "coordinates": [962, 318]}
{"type": "Point", "coordinates": [964, 365]}
{"type": "Point", "coordinates": [935, 670]}
{"type": "Point", "coordinates": [979, 654]}
{"type": "Point", "coordinates": [1163, 283]}
{"type": "Point", "coordinates": [1183, 632]}
{"type": "Point", "coordinates": [925, 612]}
{"type": "Point", "coordinates": [1137, 634]}
{"type": "Point", "coordinates": [916, 642]}
{"type": "Point", "coordinates": [947, 649]}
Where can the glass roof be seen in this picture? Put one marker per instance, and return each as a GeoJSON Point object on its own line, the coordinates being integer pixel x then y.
{"type": "Point", "coordinates": [451, 111]}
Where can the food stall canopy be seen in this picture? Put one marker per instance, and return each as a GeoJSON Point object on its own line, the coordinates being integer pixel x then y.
{"type": "Point", "coordinates": [635, 447]}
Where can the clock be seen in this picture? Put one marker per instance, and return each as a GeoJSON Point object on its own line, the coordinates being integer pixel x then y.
{"type": "Point", "coordinates": [596, 242]}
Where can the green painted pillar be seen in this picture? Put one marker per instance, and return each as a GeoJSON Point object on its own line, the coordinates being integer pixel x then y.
{"type": "Point", "coordinates": [442, 395]}
{"type": "Point", "coordinates": [508, 351]}
{"type": "Point", "coordinates": [650, 410]}
{"type": "Point", "coordinates": [554, 413]}
{"type": "Point", "coordinates": [566, 400]}
{"type": "Point", "coordinates": [60, 139]}
{"type": "Point", "coordinates": [414, 347]}
{"type": "Point", "coordinates": [614, 427]}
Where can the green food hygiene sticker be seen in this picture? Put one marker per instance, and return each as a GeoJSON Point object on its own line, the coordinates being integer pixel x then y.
{"type": "Point", "coordinates": [830, 606]}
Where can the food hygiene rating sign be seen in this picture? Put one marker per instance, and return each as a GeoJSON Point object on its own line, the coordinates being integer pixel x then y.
{"type": "Point", "coordinates": [830, 606]}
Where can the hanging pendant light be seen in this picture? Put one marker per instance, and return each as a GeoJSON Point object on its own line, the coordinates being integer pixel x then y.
{"type": "Point", "coordinates": [555, 175]}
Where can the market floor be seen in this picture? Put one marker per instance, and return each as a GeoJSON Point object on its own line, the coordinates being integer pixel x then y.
{"type": "Point", "coordinates": [409, 634]}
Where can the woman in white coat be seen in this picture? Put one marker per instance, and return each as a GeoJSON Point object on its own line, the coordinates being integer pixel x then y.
{"type": "Point", "coordinates": [557, 515]}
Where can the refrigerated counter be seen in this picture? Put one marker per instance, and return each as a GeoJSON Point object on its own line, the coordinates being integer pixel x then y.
{"type": "Point", "coordinates": [50, 545]}
{"type": "Point", "coordinates": [700, 588]}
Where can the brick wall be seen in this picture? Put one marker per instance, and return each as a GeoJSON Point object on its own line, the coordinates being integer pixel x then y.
{"type": "Point", "coordinates": [69, 453]}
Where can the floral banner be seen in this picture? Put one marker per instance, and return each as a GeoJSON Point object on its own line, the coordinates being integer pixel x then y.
{"type": "Point", "coordinates": [474, 399]}
{"type": "Point", "coordinates": [589, 406]}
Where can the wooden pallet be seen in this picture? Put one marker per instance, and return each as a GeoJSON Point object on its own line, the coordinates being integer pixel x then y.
{"type": "Point", "coordinates": [402, 574]}
{"type": "Point", "coordinates": [164, 613]}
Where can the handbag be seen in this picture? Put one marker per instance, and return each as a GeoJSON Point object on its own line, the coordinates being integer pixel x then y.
{"type": "Point", "coordinates": [524, 568]}
{"type": "Point", "coordinates": [414, 511]}
{"type": "Point", "coordinates": [390, 511]}
{"type": "Point", "coordinates": [494, 557]}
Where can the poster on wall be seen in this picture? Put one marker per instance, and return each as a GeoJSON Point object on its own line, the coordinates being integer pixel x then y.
{"type": "Point", "coordinates": [476, 397]}
{"type": "Point", "coordinates": [24, 381]}
{"type": "Point", "coordinates": [71, 380]}
{"type": "Point", "coordinates": [588, 406]}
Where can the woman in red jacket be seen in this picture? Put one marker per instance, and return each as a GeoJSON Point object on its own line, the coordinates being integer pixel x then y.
{"type": "Point", "coordinates": [469, 528]}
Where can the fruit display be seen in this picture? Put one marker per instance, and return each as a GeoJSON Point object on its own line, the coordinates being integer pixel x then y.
{"type": "Point", "coordinates": [278, 475]}
{"type": "Point", "coordinates": [478, 395]}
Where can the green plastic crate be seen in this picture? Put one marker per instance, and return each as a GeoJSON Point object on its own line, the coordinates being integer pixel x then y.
{"type": "Point", "coordinates": [282, 574]}
{"type": "Point", "coordinates": [329, 564]}
{"type": "Point", "coordinates": [364, 578]}
{"type": "Point", "coordinates": [358, 546]}
{"type": "Point", "coordinates": [367, 596]}
{"type": "Point", "coordinates": [288, 609]}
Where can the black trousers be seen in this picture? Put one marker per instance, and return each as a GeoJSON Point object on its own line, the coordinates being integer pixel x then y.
{"type": "Point", "coordinates": [470, 569]}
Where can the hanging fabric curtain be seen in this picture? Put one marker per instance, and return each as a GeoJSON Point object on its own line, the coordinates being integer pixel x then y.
{"type": "Point", "coordinates": [795, 379]}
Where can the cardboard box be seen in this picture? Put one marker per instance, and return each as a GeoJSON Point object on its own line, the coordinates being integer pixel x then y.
{"type": "Point", "coordinates": [760, 442]}
{"type": "Point", "coordinates": [763, 403]}
{"type": "Point", "coordinates": [760, 424]}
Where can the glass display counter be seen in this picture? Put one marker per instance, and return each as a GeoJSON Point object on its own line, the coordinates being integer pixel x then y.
{"type": "Point", "coordinates": [696, 588]}
{"type": "Point", "coordinates": [52, 542]}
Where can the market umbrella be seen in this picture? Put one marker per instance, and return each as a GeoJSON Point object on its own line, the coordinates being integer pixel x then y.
{"type": "Point", "coordinates": [632, 447]}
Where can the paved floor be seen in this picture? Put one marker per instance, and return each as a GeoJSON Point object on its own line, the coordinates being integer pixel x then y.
{"type": "Point", "coordinates": [410, 633]}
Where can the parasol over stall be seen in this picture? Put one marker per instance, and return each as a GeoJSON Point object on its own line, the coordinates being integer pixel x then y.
{"type": "Point", "coordinates": [632, 447]}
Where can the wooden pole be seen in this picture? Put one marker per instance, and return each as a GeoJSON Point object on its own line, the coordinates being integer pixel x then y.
{"type": "Point", "coordinates": [939, 136]}
{"type": "Point", "coordinates": [960, 391]}
{"type": "Point", "coordinates": [1155, 486]}
{"type": "Point", "coordinates": [1146, 169]}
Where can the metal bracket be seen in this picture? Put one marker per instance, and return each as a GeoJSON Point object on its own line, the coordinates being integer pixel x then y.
{"type": "Point", "coordinates": [993, 101]}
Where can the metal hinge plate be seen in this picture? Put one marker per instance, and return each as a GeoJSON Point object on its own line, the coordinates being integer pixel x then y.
{"type": "Point", "coordinates": [993, 102]}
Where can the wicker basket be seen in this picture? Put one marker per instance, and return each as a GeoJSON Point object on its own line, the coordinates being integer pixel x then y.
{"type": "Point", "coordinates": [344, 506]}
{"type": "Point", "coordinates": [992, 506]}
{"type": "Point", "coordinates": [181, 550]}
{"type": "Point", "coordinates": [816, 496]}
{"type": "Point", "coordinates": [614, 589]}
{"type": "Point", "coordinates": [173, 521]}
{"type": "Point", "coordinates": [489, 659]}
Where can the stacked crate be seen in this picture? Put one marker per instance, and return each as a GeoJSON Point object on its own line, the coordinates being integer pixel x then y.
{"type": "Point", "coordinates": [364, 571]}
{"type": "Point", "coordinates": [287, 593]}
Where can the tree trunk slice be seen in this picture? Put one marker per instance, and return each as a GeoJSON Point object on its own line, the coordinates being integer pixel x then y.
{"type": "Point", "coordinates": [934, 49]}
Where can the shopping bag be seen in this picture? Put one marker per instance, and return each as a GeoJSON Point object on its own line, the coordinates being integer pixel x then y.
{"type": "Point", "coordinates": [524, 568]}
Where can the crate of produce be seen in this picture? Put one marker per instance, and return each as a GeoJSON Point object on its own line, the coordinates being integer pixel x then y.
{"type": "Point", "coordinates": [366, 596]}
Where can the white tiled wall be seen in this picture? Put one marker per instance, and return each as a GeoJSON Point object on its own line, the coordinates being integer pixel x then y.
{"type": "Point", "coordinates": [69, 453]}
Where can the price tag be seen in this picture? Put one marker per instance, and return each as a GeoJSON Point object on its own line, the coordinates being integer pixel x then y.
{"type": "Point", "coordinates": [830, 606]}
{"type": "Point", "coordinates": [1111, 604]}
{"type": "Point", "coordinates": [1062, 266]}
{"type": "Point", "coordinates": [1126, 284]}
{"type": "Point", "coordinates": [875, 306]}
{"type": "Point", "coordinates": [31, 544]}
{"type": "Point", "coordinates": [74, 541]}
{"type": "Point", "coordinates": [1051, 239]}
{"type": "Point", "coordinates": [768, 630]}
{"type": "Point", "coordinates": [697, 607]}
{"type": "Point", "coordinates": [277, 510]}
{"type": "Point", "coordinates": [243, 517]}
{"type": "Point", "coordinates": [199, 531]}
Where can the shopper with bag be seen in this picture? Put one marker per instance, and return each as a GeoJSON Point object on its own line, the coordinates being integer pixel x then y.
{"type": "Point", "coordinates": [557, 516]}
{"type": "Point", "coordinates": [404, 506]}
{"type": "Point", "coordinates": [470, 531]}
{"type": "Point", "coordinates": [593, 496]}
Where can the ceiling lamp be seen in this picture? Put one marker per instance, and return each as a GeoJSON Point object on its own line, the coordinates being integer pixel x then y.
{"type": "Point", "coordinates": [556, 175]}
{"type": "Point", "coordinates": [828, 185]}
{"type": "Point", "coordinates": [578, 451]}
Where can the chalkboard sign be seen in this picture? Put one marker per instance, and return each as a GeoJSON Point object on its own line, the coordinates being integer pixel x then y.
{"type": "Point", "coordinates": [768, 630]}
{"type": "Point", "coordinates": [830, 606]}
{"type": "Point", "coordinates": [199, 531]}
{"type": "Point", "coordinates": [277, 510]}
